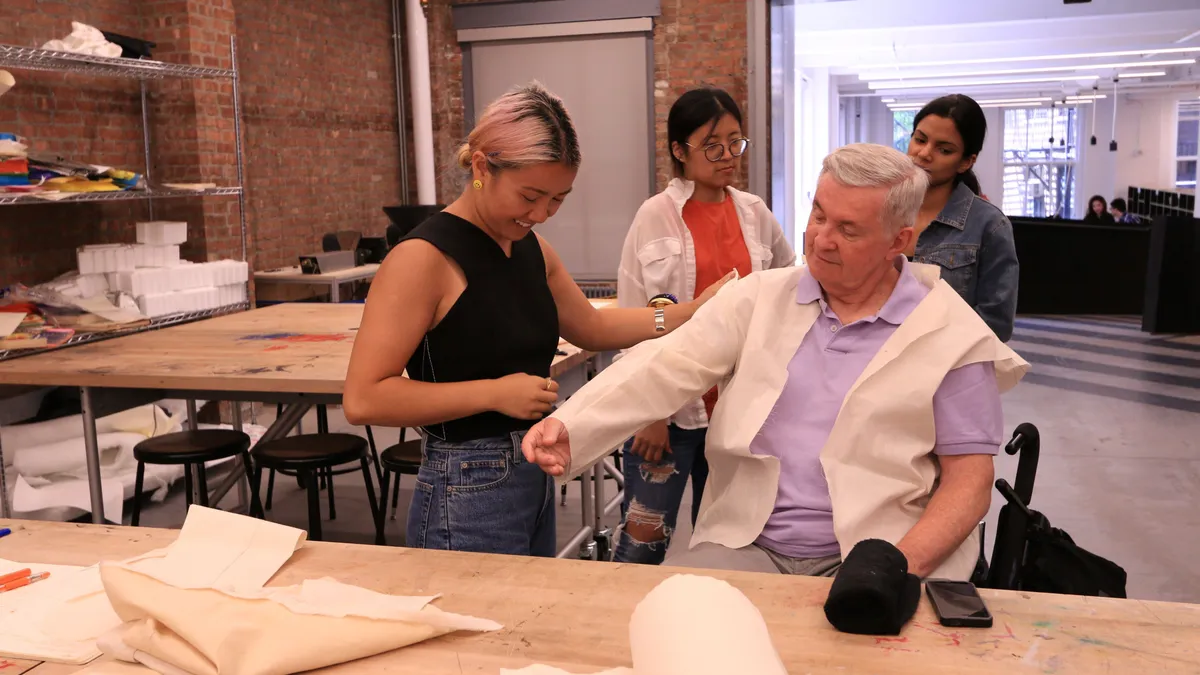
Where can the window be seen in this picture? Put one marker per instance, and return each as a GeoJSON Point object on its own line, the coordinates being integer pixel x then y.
{"type": "Point", "coordinates": [1040, 152]}
{"type": "Point", "coordinates": [902, 128]}
{"type": "Point", "coordinates": [1185, 149]}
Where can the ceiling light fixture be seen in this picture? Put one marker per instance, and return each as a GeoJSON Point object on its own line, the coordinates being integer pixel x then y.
{"type": "Point", "coordinates": [1027, 71]}
{"type": "Point", "coordinates": [1095, 95]}
{"type": "Point", "coordinates": [918, 84]}
{"type": "Point", "coordinates": [1040, 57]}
{"type": "Point", "coordinates": [1156, 73]}
{"type": "Point", "coordinates": [1040, 99]}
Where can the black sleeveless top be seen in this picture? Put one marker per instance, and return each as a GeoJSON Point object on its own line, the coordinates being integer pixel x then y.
{"type": "Point", "coordinates": [505, 322]}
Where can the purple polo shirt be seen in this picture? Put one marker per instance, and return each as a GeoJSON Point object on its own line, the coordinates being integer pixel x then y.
{"type": "Point", "coordinates": [966, 413]}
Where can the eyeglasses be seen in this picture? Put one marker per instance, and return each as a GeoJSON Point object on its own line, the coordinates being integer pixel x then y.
{"type": "Point", "coordinates": [715, 152]}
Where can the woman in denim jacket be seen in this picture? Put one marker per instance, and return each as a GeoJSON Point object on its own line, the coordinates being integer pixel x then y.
{"type": "Point", "coordinates": [968, 237]}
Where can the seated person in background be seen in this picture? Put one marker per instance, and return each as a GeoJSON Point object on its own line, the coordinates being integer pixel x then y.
{"type": "Point", "coordinates": [859, 396]}
{"type": "Point", "coordinates": [1120, 212]}
{"type": "Point", "coordinates": [1097, 213]}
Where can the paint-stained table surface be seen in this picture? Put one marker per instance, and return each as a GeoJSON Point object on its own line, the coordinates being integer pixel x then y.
{"type": "Point", "coordinates": [294, 348]}
{"type": "Point", "coordinates": [575, 614]}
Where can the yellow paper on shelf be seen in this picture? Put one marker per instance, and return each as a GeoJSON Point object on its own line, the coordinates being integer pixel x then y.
{"type": "Point", "coordinates": [198, 187]}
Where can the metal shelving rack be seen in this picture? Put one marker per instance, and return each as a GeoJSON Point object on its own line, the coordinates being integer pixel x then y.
{"type": "Point", "coordinates": [115, 196]}
{"type": "Point", "coordinates": [25, 58]}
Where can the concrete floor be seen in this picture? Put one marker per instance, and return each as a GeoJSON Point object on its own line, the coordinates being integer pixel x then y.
{"type": "Point", "coordinates": [1119, 415]}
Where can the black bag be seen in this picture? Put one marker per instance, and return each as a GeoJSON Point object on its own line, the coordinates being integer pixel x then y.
{"type": "Point", "coordinates": [1055, 564]}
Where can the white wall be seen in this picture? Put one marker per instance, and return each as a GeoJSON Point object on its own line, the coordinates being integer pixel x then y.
{"type": "Point", "coordinates": [819, 121]}
{"type": "Point", "coordinates": [1147, 127]}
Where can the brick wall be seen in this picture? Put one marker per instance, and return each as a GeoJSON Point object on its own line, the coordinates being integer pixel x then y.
{"type": "Point", "coordinates": [319, 125]}
{"type": "Point", "coordinates": [696, 42]}
{"type": "Point", "coordinates": [320, 121]}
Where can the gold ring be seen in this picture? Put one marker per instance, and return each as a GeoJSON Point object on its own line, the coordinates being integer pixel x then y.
{"type": "Point", "coordinates": [549, 382]}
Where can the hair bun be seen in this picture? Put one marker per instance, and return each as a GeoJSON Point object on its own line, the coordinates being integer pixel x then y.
{"type": "Point", "coordinates": [464, 156]}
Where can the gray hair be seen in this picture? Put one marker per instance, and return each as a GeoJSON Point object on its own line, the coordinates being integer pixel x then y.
{"type": "Point", "coordinates": [870, 165]}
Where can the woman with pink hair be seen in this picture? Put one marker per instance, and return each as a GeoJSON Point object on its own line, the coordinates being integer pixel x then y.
{"type": "Point", "coordinates": [472, 307]}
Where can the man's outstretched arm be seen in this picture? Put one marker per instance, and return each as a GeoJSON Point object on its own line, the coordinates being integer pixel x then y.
{"type": "Point", "coordinates": [651, 382]}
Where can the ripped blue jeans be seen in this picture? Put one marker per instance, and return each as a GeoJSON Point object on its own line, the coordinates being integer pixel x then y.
{"type": "Point", "coordinates": [653, 492]}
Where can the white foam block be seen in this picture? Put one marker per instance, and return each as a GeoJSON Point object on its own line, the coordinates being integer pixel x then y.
{"type": "Point", "coordinates": [161, 232]}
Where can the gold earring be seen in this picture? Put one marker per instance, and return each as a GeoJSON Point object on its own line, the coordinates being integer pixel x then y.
{"type": "Point", "coordinates": [478, 184]}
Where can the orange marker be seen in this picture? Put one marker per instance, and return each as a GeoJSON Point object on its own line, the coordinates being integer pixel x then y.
{"type": "Point", "coordinates": [23, 581]}
{"type": "Point", "coordinates": [14, 576]}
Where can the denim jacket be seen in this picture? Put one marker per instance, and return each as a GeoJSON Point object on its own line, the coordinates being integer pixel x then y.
{"type": "Point", "coordinates": [972, 241]}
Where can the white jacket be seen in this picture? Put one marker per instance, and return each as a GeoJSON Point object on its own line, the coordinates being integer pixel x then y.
{"type": "Point", "coordinates": [878, 460]}
{"type": "Point", "coordinates": [659, 257]}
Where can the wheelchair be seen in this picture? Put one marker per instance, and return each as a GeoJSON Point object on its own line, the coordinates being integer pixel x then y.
{"type": "Point", "coordinates": [1016, 519]}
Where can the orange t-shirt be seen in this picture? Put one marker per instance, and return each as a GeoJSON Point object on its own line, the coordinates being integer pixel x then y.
{"type": "Point", "coordinates": [720, 247]}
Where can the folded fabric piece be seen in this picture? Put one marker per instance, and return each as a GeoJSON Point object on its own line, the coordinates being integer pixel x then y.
{"type": "Point", "coordinates": [873, 593]}
{"type": "Point", "coordinates": [693, 625]}
{"type": "Point", "coordinates": [61, 618]}
{"type": "Point", "coordinates": [70, 456]}
{"type": "Point", "coordinates": [271, 631]}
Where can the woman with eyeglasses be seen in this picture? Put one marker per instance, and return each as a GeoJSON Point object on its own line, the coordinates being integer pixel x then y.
{"type": "Point", "coordinates": [694, 232]}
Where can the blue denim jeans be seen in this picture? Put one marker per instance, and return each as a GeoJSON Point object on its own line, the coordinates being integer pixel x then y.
{"type": "Point", "coordinates": [482, 496]}
{"type": "Point", "coordinates": [653, 492]}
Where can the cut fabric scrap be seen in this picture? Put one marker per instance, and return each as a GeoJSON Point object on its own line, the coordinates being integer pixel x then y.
{"type": "Point", "coordinates": [31, 621]}
{"type": "Point", "coordinates": [270, 631]}
{"type": "Point", "coordinates": [226, 551]}
{"type": "Point", "coordinates": [61, 618]}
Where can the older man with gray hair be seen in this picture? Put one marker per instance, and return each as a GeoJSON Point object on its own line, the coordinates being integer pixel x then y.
{"type": "Point", "coordinates": [859, 396]}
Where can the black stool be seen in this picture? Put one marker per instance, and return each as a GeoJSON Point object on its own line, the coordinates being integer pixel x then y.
{"type": "Point", "coordinates": [192, 449]}
{"type": "Point", "coordinates": [405, 459]}
{"type": "Point", "coordinates": [326, 476]}
{"type": "Point", "coordinates": [311, 456]}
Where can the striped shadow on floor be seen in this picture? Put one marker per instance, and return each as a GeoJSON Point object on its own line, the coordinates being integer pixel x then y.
{"type": "Point", "coordinates": [1112, 359]}
{"type": "Point", "coordinates": [1065, 327]}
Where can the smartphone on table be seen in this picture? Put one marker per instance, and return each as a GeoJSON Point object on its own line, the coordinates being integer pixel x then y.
{"type": "Point", "coordinates": [957, 604]}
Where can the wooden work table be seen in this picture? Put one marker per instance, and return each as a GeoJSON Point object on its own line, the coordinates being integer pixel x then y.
{"type": "Point", "coordinates": [294, 277]}
{"type": "Point", "coordinates": [296, 348]}
{"type": "Point", "coordinates": [295, 353]}
{"type": "Point", "coordinates": [575, 614]}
